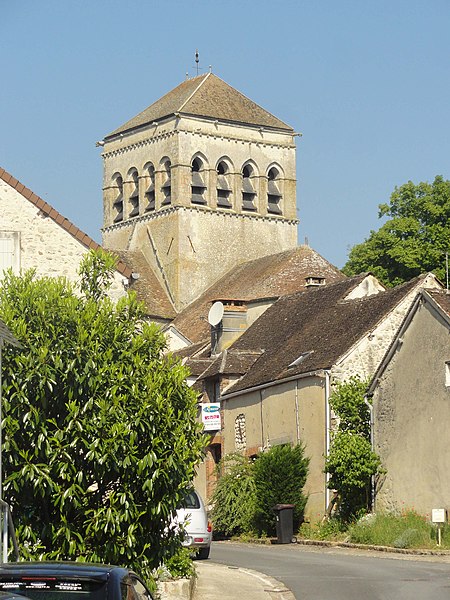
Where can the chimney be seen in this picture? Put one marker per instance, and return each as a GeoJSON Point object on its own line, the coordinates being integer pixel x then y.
{"type": "Point", "coordinates": [231, 327]}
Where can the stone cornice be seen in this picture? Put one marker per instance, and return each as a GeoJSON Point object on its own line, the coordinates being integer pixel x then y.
{"type": "Point", "coordinates": [194, 209]}
{"type": "Point", "coordinates": [202, 134]}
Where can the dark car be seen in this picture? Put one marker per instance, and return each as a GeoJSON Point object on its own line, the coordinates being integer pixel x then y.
{"type": "Point", "coordinates": [71, 581]}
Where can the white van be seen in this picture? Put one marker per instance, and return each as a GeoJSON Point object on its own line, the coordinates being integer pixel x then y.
{"type": "Point", "coordinates": [192, 515]}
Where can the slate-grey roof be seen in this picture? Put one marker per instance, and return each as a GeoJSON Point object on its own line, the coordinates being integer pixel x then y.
{"type": "Point", "coordinates": [267, 277]}
{"type": "Point", "coordinates": [205, 96]}
{"type": "Point", "coordinates": [317, 321]}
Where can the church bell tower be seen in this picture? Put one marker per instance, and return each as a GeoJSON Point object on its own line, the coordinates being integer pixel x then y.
{"type": "Point", "coordinates": [199, 182]}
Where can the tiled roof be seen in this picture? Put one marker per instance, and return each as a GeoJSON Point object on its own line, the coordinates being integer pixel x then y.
{"type": "Point", "coordinates": [318, 323]}
{"type": "Point", "coordinates": [267, 277]}
{"type": "Point", "coordinates": [442, 298]}
{"type": "Point", "coordinates": [53, 214]}
{"type": "Point", "coordinates": [147, 287]}
{"type": "Point", "coordinates": [233, 362]}
{"type": "Point", "coordinates": [205, 96]}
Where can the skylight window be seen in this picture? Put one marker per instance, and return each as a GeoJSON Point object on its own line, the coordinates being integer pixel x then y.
{"type": "Point", "coordinates": [303, 356]}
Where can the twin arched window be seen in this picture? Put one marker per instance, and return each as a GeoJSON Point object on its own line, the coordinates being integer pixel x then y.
{"type": "Point", "coordinates": [118, 201]}
{"type": "Point", "coordinates": [134, 194]}
{"type": "Point", "coordinates": [198, 186]}
{"type": "Point", "coordinates": [224, 187]}
{"type": "Point", "coordinates": [167, 183]}
{"type": "Point", "coordinates": [248, 191]}
{"type": "Point", "coordinates": [273, 192]}
{"type": "Point", "coordinates": [150, 189]}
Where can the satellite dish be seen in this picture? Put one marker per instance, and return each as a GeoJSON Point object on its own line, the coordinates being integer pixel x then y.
{"type": "Point", "coordinates": [215, 314]}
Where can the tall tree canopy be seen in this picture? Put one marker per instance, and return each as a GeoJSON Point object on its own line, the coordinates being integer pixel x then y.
{"type": "Point", "coordinates": [414, 240]}
{"type": "Point", "coordinates": [100, 429]}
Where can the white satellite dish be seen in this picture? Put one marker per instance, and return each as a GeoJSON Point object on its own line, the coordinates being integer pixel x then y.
{"type": "Point", "coordinates": [215, 314]}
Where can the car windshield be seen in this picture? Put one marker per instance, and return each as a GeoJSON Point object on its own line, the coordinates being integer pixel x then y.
{"type": "Point", "coordinates": [55, 588]}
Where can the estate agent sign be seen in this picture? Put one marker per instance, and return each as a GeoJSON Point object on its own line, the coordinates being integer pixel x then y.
{"type": "Point", "coordinates": [211, 416]}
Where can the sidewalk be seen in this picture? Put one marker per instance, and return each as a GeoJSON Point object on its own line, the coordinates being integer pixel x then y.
{"type": "Point", "coordinates": [229, 583]}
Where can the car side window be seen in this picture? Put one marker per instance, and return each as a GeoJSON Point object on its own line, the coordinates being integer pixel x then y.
{"type": "Point", "coordinates": [140, 592]}
{"type": "Point", "coordinates": [132, 588]}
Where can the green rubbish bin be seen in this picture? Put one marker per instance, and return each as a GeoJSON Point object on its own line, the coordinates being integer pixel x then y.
{"type": "Point", "coordinates": [284, 521]}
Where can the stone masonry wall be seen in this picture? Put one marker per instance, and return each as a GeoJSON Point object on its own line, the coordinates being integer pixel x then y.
{"type": "Point", "coordinates": [44, 245]}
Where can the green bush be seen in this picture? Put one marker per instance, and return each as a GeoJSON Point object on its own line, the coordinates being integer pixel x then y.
{"type": "Point", "coordinates": [351, 462]}
{"type": "Point", "coordinates": [280, 475]}
{"type": "Point", "coordinates": [101, 433]}
{"type": "Point", "coordinates": [233, 499]}
{"type": "Point", "coordinates": [180, 564]}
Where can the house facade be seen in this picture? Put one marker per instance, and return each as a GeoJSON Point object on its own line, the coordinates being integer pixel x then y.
{"type": "Point", "coordinates": [410, 394]}
{"type": "Point", "coordinates": [274, 381]}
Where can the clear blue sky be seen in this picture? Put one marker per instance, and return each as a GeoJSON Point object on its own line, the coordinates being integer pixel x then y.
{"type": "Point", "coordinates": [366, 81]}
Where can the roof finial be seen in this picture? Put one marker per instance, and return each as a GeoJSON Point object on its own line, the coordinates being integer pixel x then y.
{"type": "Point", "coordinates": [196, 60]}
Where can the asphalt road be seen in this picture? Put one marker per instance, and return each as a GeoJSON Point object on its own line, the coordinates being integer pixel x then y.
{"type": "Point", "coordinates": [341, 574]}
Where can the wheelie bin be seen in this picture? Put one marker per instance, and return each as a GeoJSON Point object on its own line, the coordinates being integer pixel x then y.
{"type": "Point", "coordinates": [284, 516]}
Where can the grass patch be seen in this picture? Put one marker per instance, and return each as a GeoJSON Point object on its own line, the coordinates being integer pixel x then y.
{"type": "Point", "coordinates": [407, 530]}
{"type": "Point", "coordinates": [331, 530]}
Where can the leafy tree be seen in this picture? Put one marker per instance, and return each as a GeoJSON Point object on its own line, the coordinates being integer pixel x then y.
{"type": "Point", "coordinates": [351, 462]}
{"type": "Point", "coordinates": [280, 475]}
{"type": "Point", "coordinates": [101, 437]}
{"type": "Point", "coordinates": [413, 240]}
{"type": "Point", "coordinates": [233, 499]}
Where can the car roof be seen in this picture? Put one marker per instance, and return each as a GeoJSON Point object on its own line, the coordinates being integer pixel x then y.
{"type": "Point", "coordinates": [62, 569]}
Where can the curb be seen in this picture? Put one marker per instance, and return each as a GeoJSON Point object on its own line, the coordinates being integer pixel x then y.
{"type": "Point", "coordinates": [276, 589]}
{"type": "Point", "coordinates": [332, 544]}
{"type": "Point", "coordinates": [391, 549]}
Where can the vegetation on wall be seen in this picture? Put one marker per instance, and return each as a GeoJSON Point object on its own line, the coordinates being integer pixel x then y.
{"type": "Point", "coordinates": [415, 238]}
{"type": "Point", "coordinates": [351, 462]}
{"type": "Point", "coordinates": [233, 500]}
{"type": "Point", "coordinates": [100, 429]}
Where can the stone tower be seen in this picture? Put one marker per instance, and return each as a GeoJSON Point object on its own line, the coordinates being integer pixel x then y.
{"type": "Point", "coordinates": [200, 181]}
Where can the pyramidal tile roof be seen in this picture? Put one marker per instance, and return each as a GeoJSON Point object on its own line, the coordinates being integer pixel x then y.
{"type": "Point", "coordinates": [53, 214]}
{"type": "Point", "coordinates": [205, 96]}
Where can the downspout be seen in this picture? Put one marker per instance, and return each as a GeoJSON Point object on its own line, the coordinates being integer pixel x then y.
{"type": "Point", "coordinates": [372, 445]}
{"type": "Point", "coordinates": [262, 419]}
{"type": "Point", "coordinates": [327, 432]}
{"type": "Point", "coordinates": [297, 420]}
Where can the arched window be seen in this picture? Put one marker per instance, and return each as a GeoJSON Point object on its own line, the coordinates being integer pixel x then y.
{"type": "Point", "coordinates": [198, 186]}
{"type": "Point", "coordinates": [248, 191]}
{"type": "Point", "coordinates": [134, 194]}
{"type": "Point", "coordinates": [273, 192]}
{"type": "Point", "coordinates": [118, 201]}
{"type": "Point", "coordinates": [167, 184]}
{"type": "Point", "coordinates": [150, 190]}
{"type": "Point", "coordinates": [223, 185]}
